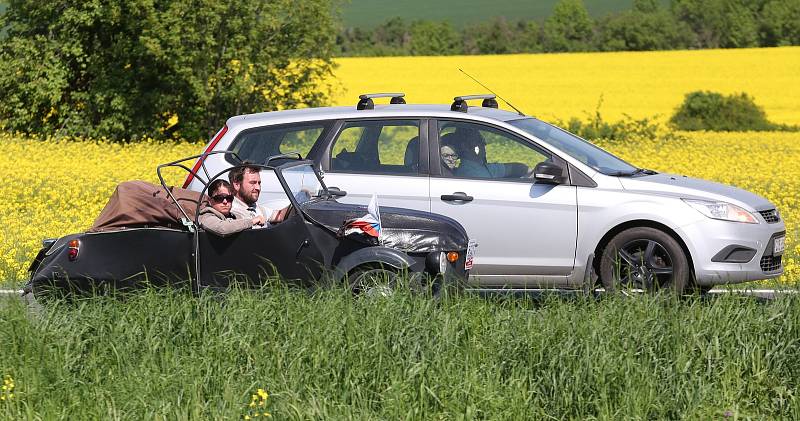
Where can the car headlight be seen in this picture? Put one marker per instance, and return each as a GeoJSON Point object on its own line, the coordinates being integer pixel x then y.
{"type": "Point", "coordinates": [442, 262]}
{"type": "Point", "coordinates": [722, 210]}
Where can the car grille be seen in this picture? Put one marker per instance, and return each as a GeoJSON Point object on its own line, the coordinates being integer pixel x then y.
{"type": "Point", "coordinates": [771, 215]}
{"type": "Point", "coordinates": [770, 263]}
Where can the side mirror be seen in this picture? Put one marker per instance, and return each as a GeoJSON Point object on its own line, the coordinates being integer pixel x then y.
{"type": "Point", "coordinates": [548, 172]}
{"type": "Point", "coordinates": [337, 192]}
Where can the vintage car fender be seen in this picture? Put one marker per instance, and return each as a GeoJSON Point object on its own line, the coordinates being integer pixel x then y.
{"type": "Point", "coordinates": [377, 254]}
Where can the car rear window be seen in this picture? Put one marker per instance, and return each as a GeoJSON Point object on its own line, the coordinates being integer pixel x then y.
{"type": "Point", "coordinates": [257, 145]}
{"type": "Point", "coordinates": [378, 147]}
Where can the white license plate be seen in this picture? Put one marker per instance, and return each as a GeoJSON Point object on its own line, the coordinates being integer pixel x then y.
{"type": "Point", "coordinates": [779, 245]}
{"type": "Point", "coordinates": [471, 246]}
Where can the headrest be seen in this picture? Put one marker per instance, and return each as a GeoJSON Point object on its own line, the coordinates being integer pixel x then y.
{"type": "Point", "coordinates": [411, 157]}
{"type": "Point", "coordinates": [450, 139]}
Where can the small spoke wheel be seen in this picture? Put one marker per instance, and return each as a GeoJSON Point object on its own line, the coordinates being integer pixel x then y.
{"type": "Point", "coordinates": [646, 259]}
{"type": "Point", "coordinates": [373, 281]}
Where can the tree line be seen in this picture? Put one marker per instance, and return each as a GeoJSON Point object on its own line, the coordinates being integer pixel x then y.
{"type": "Point", "coordinates": [682, 24]}
{"type": "Point", "coordinates": [129, 69]}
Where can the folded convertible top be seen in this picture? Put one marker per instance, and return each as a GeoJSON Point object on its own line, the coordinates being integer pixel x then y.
{"type": "Point", "coordinates": [137, 204]}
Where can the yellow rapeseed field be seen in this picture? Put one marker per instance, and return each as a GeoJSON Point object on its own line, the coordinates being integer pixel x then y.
{"type": "Point", "coordinates": [51, 188]}
{"type": "Point", "coordinates": [560, 86]}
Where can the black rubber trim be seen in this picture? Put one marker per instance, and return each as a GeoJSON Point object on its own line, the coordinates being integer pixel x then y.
{"type": "Point", "coordinates": [579, 179]}
{"type": "Point", "coordinates": [769, 250]}
{"type": "Point", "coordinates": [734, 253]}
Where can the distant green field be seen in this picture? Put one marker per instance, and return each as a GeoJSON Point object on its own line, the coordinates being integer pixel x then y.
{"type": "Point", "coordinates": [368, 13]}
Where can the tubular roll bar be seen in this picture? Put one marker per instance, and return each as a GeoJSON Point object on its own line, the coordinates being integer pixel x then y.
{"type": "Point", "coordinates": [205, 181]}
{"type": "Point", "coordinates": [179, 164]}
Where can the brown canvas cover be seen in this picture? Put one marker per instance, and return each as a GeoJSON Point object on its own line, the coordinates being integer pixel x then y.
{"type": "Point", "coordinates": [136, 204]}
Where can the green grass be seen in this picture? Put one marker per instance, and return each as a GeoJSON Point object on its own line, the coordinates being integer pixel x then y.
{"type": "Point", "coordinates": [161, 355]}
{"type": "Point", "coordinates": [369, 13]}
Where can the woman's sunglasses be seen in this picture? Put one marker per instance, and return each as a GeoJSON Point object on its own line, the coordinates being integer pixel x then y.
{"type": "Point", "coordinates": [222, 197]}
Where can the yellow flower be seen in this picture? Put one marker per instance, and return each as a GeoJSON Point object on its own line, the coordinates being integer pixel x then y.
{"type": "Point", "coordinates": [171, 121]}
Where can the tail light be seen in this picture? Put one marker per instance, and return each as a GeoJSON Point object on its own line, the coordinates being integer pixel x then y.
{"type": "Point", "coordinates": [452, 256]}
{"type": "Point", "coordinates": [72, 250]}
{"type": "Point", "coordinates": [199, 162]}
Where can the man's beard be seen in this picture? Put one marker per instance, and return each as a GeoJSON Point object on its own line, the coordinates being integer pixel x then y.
{"type": "Point", "coordinates": [246, 200]}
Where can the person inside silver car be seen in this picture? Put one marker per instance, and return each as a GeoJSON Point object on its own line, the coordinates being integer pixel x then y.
{"type": "Point", "coordinates": [449, 157]}
{"type": "Point", "coordinates": [471, 149]}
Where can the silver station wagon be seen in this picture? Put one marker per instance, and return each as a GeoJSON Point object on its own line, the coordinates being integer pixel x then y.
{"type": "Point", "coordinates": [546, 208]}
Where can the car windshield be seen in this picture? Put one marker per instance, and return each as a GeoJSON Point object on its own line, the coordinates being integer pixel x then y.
{"type": "Point", "coordinates": [576, 147]}
{"type": "Point", "coordinates": [303, 182]}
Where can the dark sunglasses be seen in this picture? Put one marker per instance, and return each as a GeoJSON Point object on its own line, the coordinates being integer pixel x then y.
{"type": "Point", "coordinates": [222, 197]}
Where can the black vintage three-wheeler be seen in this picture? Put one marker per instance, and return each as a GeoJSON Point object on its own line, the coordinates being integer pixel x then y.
{"type": "Point", "coordinates": [306, 249]}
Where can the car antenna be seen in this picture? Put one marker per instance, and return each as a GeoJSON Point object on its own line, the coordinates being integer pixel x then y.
{"type": "Point", "coordinates": [498, 96]}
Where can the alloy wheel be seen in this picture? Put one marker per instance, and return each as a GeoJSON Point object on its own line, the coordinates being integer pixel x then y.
{"type": "Point", "coordinates": [644, 264]}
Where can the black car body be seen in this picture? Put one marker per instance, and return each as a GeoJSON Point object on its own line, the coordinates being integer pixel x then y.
{"type": "Point", "coordinates": [305, 249]}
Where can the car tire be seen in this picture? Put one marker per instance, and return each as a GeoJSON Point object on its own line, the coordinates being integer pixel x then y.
{"type": "Point", "coordinates": [644, 258]}
{"type": "Point", "coordinates": [374, 280]}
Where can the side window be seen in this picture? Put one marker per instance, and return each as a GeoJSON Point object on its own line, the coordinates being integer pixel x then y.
{"type": "Point", "coordinates": [259, 144]}
{"type": "Point", "coordinates": [377, 146]}
{"type": "Point", "coordinates": [472, 150]}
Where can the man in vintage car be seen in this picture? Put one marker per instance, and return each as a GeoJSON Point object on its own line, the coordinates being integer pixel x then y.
{"type": "Point", "coordinates": [246, 182]}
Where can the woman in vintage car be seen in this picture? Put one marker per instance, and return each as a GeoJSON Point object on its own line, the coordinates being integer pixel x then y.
{"type": "Point", "coordinates": [149, 235]}
{"type": "Point", "coordinates": [217, 216]}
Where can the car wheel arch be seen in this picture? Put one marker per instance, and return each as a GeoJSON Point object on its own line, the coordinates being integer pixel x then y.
{"type": "Point", "coordinates": [598, 250]}
{"type": "Point", "coordinates": [373, 256]}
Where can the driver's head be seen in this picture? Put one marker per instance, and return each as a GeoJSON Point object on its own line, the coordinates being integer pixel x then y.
{"type": "Point", "coordinates": [449, 156]}
{"type": "Point", "coordinates": [246, 182]}
{"type": "Point", "coordinates": [470, 145]}
{"type": "Point", "coordinates": [448, 150]}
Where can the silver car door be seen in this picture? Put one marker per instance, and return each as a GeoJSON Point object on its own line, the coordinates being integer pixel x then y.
{"type": "Point", "coordinates": [526, 231]}
{"type": "Point", "coordinates": [386, 157]}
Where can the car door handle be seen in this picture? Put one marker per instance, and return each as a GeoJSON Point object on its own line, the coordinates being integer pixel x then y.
{"type": "Point", "coordinates": [458, 196]}
{"type": "Point", "coordinates": [335, 191]}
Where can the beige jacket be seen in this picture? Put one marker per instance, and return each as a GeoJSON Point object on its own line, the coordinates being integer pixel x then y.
{"type": "Point", "coordinates": [211, 220]}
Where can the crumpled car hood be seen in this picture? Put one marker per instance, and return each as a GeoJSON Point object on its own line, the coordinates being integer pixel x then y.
{"type": "Point", "coordinates": [404, 229]}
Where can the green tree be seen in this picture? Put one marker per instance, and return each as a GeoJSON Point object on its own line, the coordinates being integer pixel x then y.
{"type": "Point", "coordinates": [136, 68]}
{"type": "Point", "coordinates": [529, 37]}
{"type": "Point", "coordinates": [720, 23]}
{"type": "Point", "coordinates": [496, 37]}
{"type": "Point", "coordinates": [645, 27]}
{"type": "Point", "coordinates": [569, 28]}
{"type": "Point", "coordinates": [393, 36]}
{"type": "Point", "coordinates": [430, 38]}
{"type": "Point", "coordinates": [780, 23]}
{"type": "Point", "coordinates": [705, 110]}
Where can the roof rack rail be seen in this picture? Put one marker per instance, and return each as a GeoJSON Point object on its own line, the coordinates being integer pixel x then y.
{"type": "Point", "coordinates": [460, 102]}
{"type": "Point", "coordinates": [365, 100]}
